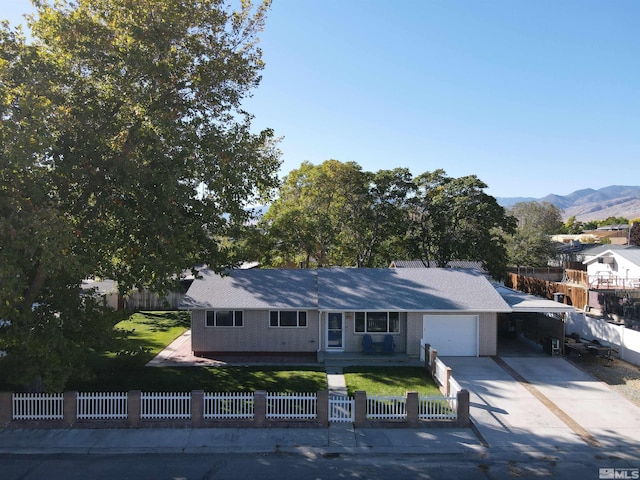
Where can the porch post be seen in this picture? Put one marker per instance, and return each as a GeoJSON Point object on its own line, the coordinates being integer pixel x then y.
{"type": "Point", "coordinates": [319, 331]}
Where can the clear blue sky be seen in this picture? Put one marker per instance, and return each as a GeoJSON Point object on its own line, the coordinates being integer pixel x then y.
{"type": "Point", "coordinates": [532, 96]}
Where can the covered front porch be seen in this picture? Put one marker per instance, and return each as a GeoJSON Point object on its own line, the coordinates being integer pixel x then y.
{"type": "Point", "coordinates": [349, 359]}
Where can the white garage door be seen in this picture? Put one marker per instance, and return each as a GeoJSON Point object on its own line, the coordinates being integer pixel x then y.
{"type": "Point", "coordinates": [451, 335]}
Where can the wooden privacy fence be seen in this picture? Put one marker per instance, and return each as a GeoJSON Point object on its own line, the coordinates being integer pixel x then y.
{"type": "Point", "coordinates": [576, 295]}
{"type": "Point", "coordinates": [199, 409]}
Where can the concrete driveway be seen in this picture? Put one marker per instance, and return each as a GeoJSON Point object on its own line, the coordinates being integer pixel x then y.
{"type": "Point", "coordinates": [544, 403]}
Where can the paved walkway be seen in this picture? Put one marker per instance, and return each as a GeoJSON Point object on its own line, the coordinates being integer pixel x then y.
{"type": "Point", "coordinates": [336, 383]}
{"type": "Point", "coordinates": [178, 354]}
{"type": "Point", "coordinates": [320, 441]}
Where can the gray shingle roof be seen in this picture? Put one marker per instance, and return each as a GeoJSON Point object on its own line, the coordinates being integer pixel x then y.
{"type": "Point", "coordinates": [253, 289]}
{"type": "Point", "coordinates": [451, 264]}
{"type": "Point", "coordinates": [406, 289]}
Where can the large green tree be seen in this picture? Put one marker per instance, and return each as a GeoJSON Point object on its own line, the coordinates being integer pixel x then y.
{"type": "Point", "coordinates": [454, 219]}
{"type": "Point", "coordinates": [125, 154]}
{"type": "Point", "coordinates": [531, 243]}
{"type": "Point", "coordinates": [337, 214]}
{"type": "Point", "coordinates": [304, 222]}
{"type": "Point", "coordinates": [373, 218]}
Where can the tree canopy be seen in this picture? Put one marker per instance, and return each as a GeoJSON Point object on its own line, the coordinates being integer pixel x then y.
{"type": "Point", "coordinates": [337, 214]}
{"type": "Point", "coordinates": [531, 243]}
{"type": "Point", "coordinates": [454, 219]}
{"type": "Point", "coordinates": [126, 154]}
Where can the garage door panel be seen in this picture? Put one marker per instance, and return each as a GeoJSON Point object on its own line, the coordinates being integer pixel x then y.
{"type": "Point", "coordinates": [451, 335]}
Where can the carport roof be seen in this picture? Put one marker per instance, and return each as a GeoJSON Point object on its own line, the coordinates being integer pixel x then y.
{"type": "Point", "coordinates": [524, 302]}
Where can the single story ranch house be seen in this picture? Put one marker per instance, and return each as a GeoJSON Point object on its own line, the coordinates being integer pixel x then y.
{"type": "Point", "coordinates": [335, 309]}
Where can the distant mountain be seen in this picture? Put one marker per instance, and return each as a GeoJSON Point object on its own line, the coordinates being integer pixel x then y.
{"type": "Point", "coordinates": [511, 201]}
{"type": "Point", "coordinates": [590, 204]}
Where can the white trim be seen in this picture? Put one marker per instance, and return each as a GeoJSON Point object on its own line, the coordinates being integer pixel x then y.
{"type": "Point", "coordinates": [326, 338]}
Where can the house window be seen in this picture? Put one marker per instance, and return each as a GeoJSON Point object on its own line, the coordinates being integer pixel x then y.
{"type": "Point", "coordinates": [288, 318]}
{"type": "Point", "coordinates": [377, 322]}
{"type": "Point", "coordinates": [225, 318]}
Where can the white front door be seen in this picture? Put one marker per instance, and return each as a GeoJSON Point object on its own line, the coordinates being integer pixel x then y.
{"type": "Point", "coordinates": [335, 331]}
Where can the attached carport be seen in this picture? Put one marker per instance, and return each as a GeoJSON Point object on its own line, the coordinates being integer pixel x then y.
{"type": "Point", "coordinates": [535, 323]}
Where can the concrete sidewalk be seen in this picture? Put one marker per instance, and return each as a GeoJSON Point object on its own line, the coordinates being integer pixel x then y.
{"type": "Point", "coordinates": [336, 439]}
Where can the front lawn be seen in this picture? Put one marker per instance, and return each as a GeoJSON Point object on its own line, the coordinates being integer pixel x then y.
{"type": "Point", "coordinates": [389, 380]}
{"type": "Point", "coordinates": [149, 332]}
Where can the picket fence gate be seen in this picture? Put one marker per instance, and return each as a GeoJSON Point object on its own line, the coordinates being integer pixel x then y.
{"type": "Point", "coordinates": [341, 409]}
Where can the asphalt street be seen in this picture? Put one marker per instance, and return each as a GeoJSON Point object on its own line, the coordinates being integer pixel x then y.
{"type": "Point", "coordinates": [309, 466]}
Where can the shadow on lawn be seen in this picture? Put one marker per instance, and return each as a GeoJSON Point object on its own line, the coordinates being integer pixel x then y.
{"type": "Point", "coordinates": [382, 380]}
{"type": "Point", "coordinates": [227, 379]}
{"type": "Point", "coordinates": [163, 321]}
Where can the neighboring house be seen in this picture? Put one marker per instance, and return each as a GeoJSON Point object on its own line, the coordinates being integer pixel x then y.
{"type": "Point", "coordinates": [614, 268]}
{"type": "Point", "coordinates": [331, 310]}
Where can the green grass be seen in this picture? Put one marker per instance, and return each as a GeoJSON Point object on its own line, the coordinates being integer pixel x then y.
{"type": "Point", "coordinates": [389, 380]}
{"type": "Point", "coordinates": [215, 379]}
{"type": "Point", "coordinates": [149, 332]}
{"type": "Point", "coordinates": [146, 334]}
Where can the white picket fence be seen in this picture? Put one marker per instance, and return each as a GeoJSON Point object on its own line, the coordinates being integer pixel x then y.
{"type": "Point", "coordinates": [341, 409]}
{"type": "Point", "coordinates": [438, 408]}
{"type": "Point", "coordinates": [154, 406]}
{"type": "Point", "coordinates": [101, 406]}
{"type": "Point", "coordinates": [38, 406]}
{"type": "Point", "coordinates": [224, 406]}
{"type": "Point", "coordinates": [386, 407]}
{"type": "Point", "coordinates": [291, 406]}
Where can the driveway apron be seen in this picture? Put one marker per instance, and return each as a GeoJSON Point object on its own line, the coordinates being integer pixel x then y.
{"type": "Point", "coordinates": [612, 419]}
{"type": "Point", "coordinates": [505, 413]}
